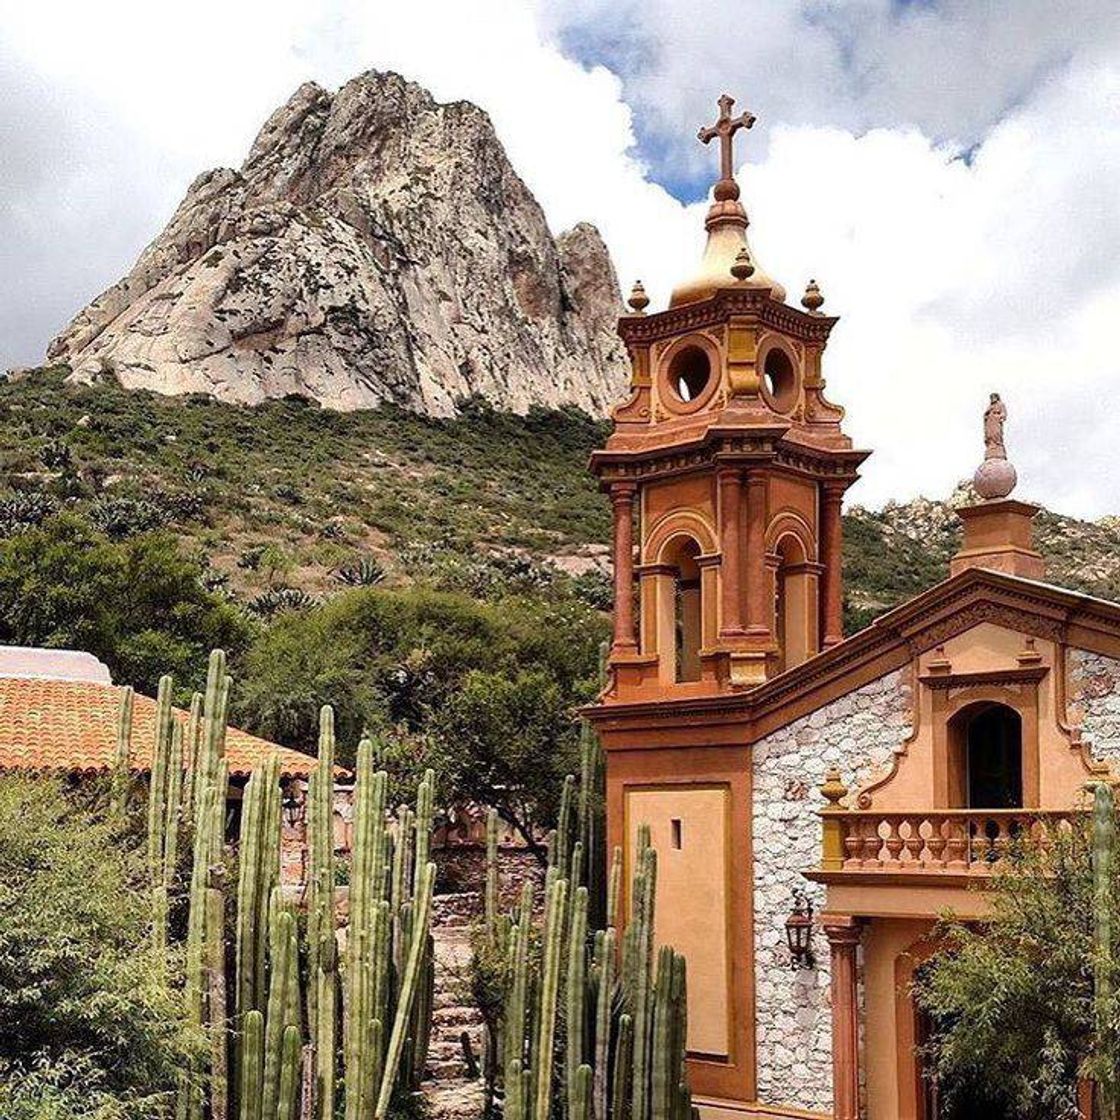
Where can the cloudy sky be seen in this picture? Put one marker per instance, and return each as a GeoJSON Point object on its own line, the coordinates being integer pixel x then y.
{"type": "Point", "coordinates": [948, 170]}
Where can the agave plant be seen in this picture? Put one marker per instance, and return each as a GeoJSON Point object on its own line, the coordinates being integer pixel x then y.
{"type": "Point", "coordinates": [277, 599]}
{"type": "Point", "coordinates": [365, 573]}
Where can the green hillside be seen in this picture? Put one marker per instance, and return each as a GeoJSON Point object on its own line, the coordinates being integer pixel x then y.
{"type": "Point", "coordinates": [286, 495]}
{"type": "Point", "coordinates": [284, 505]}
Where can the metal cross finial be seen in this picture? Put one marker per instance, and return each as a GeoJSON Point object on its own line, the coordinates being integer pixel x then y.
{"type": "Point", "coordinates": [725, 128]}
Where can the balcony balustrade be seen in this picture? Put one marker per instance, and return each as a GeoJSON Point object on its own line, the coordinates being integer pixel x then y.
{"type": "Point", "coordinates": [932, 841]}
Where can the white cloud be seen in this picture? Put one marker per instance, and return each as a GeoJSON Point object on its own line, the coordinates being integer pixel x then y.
{"type": "Point", "coordinates": [952, 278]}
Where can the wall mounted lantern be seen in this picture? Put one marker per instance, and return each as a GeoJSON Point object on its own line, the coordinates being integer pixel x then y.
{"type": "Point", "coordinates": [799, 932]}
{"type": "Point", "coordinates": [292, 805]}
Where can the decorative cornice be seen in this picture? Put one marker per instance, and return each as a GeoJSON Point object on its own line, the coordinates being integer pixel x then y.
{"type": "Point", "coordinates": [730, 447]}
{"type": "Point", "coordinates": [718, 310]}
{"type": "Point", "coordinates": [948, 681]}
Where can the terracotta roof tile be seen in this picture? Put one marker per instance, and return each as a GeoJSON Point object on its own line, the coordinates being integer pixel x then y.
{"type": "Point", "coordinates": [72, 726]}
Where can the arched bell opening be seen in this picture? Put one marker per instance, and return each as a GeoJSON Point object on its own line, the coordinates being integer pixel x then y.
{"type": "Point", "coordinates": [795, 615]}
{"type": "Point", "coordinates": [685, 603]}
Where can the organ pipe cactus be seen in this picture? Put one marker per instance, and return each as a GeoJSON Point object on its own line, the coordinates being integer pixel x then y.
{"type": "Point", "coordinates": [1104, 870]}
{"type": "Point", "coordinates": [322, 949]}
{"type": "Point", "coordinates": [619, 1007]}
{"type": "Point", "coordinates": [122, 773]}
{"type": "Point", "coordinates": [258, 1014]}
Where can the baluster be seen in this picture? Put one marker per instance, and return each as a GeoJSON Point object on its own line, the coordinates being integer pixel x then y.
{"type": "Point", "coordinates": [913, 842]}
{"type": "Point", "coordinates": [956, 844]}
{"type": "Point", "coordinates": [935, 843]}
{"type": "Point", "coordinates": [980, 843]}
{"type": "Point", "coordinates": [1002, 843]}
{"type": "Point", "coordinates": [893, 843]}
{"type": "Point", "coordinates": [872, 843]}
{"type": "Point", "coordinates": [853, 843]}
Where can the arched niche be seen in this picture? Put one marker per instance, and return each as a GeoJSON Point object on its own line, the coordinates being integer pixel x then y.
{"type": "Point", "coordinates": [683, 605]}
{"type": "Point", "coordinates": [678, 594]}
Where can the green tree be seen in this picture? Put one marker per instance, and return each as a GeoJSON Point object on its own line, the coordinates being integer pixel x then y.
{"type": "Point", "coordinates": [138, 604]}
{"type": "Point", "coordinates": [1012, 1000]}
{"type": "Point", "coordinates": [484, 692]}
{"type": "Point", "coordinates": [85, 1028]}
{"type": "Point", "coordinates": [506, 742]}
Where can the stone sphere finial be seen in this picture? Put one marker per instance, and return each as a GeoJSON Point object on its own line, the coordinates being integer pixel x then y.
{"type": "Point", "coordinates": [812, 300]}
{"type": "Point", "coordinates": [742, 268]}
{"type": "Point", "coordinates": [995, 478]}
{"type": "Point", "coordinates": [638, 300]}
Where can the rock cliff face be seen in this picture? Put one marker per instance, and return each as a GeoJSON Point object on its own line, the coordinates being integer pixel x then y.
{"type": "Point", "coordinates": [375, 246]}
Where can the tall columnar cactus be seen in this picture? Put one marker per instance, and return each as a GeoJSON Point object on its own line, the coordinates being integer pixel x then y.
{"type": "Point", "coordinates": [157, 794]}
{"type": "Point", "coordinates": [622, 1006]}
{"type": "Point", "coordinates": [258, 1014]}
{"type": "Point", "coordinates": [258, 874]}
{"type": "Point", "coordinates": [122, 763]}
{"type": "Point", "coordinates": [389, 969]}
{"type": "Point", "coordinates": [1104, 857]}
{"type": "Point", "coordinates": [191, 752]}
{"type": "Point", "coordinates": [159, 799]}
{"type": "Point", "coordinates": [322, 948]}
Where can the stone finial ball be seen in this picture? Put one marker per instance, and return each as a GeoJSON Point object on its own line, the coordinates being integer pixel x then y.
{"type": "Point", "coordinates": [994, 478]}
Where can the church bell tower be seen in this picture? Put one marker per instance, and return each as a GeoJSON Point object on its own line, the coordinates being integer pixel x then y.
{"type": "Point", "coordinates": [726, 470]}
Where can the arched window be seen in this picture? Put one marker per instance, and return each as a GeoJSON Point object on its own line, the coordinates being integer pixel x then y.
{"type": "Point", "coordinates": [681, 557]}
{"type": "Point", "coordinates": [794, 614]}
{"type": "Point", "coordinates": [986, 764]}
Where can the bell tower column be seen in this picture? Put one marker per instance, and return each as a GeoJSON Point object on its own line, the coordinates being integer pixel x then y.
{"type": "Point", "coordinates": [760, 608]}
{"type": "Point", "coordinates": [730, 482]}
{"type": "Point", "coordinates": [622, 504]}
{"type": "Point", "coordinates": [832, 546]}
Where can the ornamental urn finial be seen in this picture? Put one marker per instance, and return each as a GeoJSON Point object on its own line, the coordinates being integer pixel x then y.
{"type": "Point", "coordinates": [812, 300]}
{"type": "Point", "coordinates": [995, 478]}
{"type": "Point", "coordinates": [638, 300]}
{"type": "Point", "coordinates": [742, 267]}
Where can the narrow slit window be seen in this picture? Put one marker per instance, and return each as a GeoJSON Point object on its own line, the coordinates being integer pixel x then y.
{"type": "Point", "coordinates": [675, 823]}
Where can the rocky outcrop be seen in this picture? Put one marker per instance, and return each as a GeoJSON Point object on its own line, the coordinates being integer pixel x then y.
{"type": "Point", "coordinates": [898, 551]}
{"type": "Point", "coordinates": [375, 246]}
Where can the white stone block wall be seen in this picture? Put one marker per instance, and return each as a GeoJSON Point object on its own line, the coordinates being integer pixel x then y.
{"type": "Point", "coordinates": [1094, 693]}
{"type": "Point", "coordinates": [858, 735]}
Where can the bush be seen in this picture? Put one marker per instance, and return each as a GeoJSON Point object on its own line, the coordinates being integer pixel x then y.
{"type": "Point", "coordinates": [86, 1029]}
{"type": "Point", "coordinates": [139, 604]}
{"type": "Point", "coordinates": [1012, 1000]}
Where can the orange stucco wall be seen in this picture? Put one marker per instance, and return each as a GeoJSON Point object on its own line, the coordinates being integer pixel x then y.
{"type": "Point", "coordinates": [1049, 752]}
{"type": "Point", "coordinates": [690, 831]}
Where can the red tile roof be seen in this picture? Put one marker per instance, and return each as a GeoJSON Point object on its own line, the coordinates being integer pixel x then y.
{"type": "Point", "coordinates": [72, 726]}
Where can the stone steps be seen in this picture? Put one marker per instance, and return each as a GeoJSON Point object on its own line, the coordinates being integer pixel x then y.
{"type": "Point", "coordinates": [449, 1094]}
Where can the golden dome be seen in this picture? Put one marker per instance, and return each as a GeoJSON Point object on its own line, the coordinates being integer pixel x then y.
{"type": "Point", "coordinates": [727, 238]}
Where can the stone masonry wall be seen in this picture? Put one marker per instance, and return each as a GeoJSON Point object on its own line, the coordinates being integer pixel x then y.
{"type": "Point", "coordinates": [856, 734]}
{"type": "Point", "coordinates": [1094, 693]}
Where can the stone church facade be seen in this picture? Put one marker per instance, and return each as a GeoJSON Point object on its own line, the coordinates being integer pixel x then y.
{"type": "Point", "coordinates": [879, 775]}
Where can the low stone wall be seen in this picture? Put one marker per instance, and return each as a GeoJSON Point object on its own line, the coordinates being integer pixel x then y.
{"type": "Point", "coordinates": [857, 734]}
{"type": "Point", "coordinates": [463, 869]}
